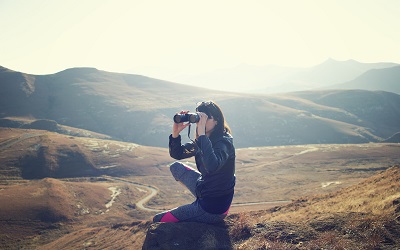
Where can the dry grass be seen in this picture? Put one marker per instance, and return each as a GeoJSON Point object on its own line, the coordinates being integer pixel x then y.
{"type": "Point", "coordinates": [363, 216]}
{"type": "Point", "coordinates": [38, 212]}
{"type": "Point", "coordinates": [240, 226]}
{"type": "Point", "coordinates": [375, 196]}
{"type": "Point", "coordinates": [119, 236]}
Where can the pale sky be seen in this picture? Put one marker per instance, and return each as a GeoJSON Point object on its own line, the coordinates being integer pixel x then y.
{"type": "Point", "coordinates": [167, 38]}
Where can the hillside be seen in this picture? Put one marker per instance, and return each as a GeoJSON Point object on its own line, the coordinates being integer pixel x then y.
{"type": "Point", "coordinates": [33, 154]}
{"type": "Point", "coordinates": [365, 216]}
{"type": "Point", "coordinates": [386, 79]}
{"type": "Point", "coordinates": [394, 138]}
{"type": "Point", "coordinates": [126, 107]}
{"type": "Point", "coordinates": [48, 125]}
{"type": "Point", "coordinates": [100, 194]}
{"type": "Point", "coordinates": [332, 71]}
{"type": "Point", "coordinates": [139, 109]}
{"type": "Point", "coordinates": [376, 110]}
{"type": "Point", "coordinates": [38, 212]}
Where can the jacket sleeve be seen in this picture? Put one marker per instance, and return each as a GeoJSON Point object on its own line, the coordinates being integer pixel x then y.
{"type": "Point", "coordinates": [213, 156]}
{"type": "Point", "coordinates": [179, 151]}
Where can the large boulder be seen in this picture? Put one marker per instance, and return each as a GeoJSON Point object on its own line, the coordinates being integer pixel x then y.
{"type": "Point", "coordinates": [187, 235]}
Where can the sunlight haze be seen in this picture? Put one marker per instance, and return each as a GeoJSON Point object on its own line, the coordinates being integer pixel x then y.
{"type": "Point", "coordinates": [169, 39]}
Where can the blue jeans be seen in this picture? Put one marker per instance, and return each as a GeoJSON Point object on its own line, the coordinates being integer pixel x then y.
{"type": "Point", "coordinates": [191, 212]}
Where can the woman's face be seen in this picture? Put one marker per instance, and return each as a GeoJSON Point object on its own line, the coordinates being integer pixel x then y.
{"type": "Point", "coordinates": [210, 124]}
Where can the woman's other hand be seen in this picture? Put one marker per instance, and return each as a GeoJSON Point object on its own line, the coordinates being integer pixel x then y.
{"type": "Point", "coordinates": [201, 125]}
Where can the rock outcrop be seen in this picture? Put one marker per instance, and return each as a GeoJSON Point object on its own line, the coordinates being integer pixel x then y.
{"type": "Point", "coordinates": [187, 235]}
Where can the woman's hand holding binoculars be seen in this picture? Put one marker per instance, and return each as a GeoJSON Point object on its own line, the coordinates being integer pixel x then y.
{"type": "Point", "coordinates": [185, 116]}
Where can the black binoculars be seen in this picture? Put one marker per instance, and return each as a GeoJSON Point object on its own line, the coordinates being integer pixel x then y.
{"type": "Point", "coordinates": [189, 117]}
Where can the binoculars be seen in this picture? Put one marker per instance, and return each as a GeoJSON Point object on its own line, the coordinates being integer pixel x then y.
{"type": "Point", "coordinates": [189, 117]}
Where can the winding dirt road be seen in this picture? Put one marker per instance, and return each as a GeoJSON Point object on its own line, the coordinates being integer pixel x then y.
{"type": "Point", "coordinates": [154, 191]}
{"type": "Point", "coordinates": [140, 204]}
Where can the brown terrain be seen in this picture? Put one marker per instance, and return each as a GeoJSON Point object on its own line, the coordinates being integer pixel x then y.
{"type": "Point", "coordinates": [84, 165]}
{"type": "Point", "coordinates": [64, 192]}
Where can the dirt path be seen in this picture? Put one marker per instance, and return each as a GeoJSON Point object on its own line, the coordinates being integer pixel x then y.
{"type": "Point", "coordinates": [11, 141]}
{"type": "Point", "coordinates": [141, 203]}
{"type": "Point", "coordinates": [309, 149]}
{"type": "Point", "coordinates": [258, 203]}
{"type": "Point", "coordinates": [154, 191]}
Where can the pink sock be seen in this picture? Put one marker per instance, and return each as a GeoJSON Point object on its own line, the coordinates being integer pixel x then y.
{"type": "Point", "coordinates": [227, 211]}
{"type": "Point", "coordinates": [188, 168]}
{"type": "Point", "coordinates": [168, 217]}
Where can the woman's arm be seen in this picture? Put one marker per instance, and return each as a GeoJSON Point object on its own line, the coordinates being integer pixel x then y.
{"type": "Point", "coordinates": [179, 151]}
{"type": "Point", "coordinates": [176, 149]}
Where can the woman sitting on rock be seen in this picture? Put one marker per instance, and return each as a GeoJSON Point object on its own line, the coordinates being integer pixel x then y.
{"type": "Point", "coordinates": [214, 180]}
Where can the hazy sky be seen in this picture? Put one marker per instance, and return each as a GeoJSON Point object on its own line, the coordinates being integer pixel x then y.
{"type": "Point", "coordinates": [166, 38]}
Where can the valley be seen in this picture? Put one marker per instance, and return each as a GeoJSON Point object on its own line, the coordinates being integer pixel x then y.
{"type": "Point", "coordinates": [118, 182]}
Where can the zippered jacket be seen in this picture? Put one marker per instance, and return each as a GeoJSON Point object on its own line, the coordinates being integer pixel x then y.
{"type": "Point", "coordinates": [215, 160]}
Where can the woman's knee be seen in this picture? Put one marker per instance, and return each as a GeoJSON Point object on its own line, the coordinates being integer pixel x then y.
{"type": "Point", "coordinates": [177, 169]}
{"type": "Point", "coordinates": [175, 166]}
{"type": "Point", "coordinates": [158, 217]}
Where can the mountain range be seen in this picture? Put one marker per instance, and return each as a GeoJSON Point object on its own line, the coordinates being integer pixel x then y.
{"type": "Point", "coordinates": [277, 79]}
{"type": "Point", "coordinates": [139, 109]}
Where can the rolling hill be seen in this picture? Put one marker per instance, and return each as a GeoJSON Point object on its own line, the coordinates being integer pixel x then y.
{"type": "Point", "coordinates": [138, 109]}
{"type": "Point", "coordinates": [376, 110]}
{"type": "Point", "coordinates": [387, 79]}
{"type": "Point", "coordinates": [363, 216]}
{"type": "Point", "coordinates": [35, 154]}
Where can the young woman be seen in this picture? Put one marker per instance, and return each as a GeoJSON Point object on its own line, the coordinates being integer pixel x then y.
{"type": "Point", "coordinates": [214, 180]}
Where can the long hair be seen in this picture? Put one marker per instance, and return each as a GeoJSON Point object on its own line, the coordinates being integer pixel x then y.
{"type": "Point", "coordinates": [210, 108]}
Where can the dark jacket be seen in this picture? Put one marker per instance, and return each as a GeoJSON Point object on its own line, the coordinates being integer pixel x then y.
{"type": "Point", "coordinates": [215, 160]}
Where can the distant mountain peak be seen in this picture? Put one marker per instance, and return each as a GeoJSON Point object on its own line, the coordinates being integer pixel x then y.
{"type": "Point", "coordinates": [79, 70]}
{"type": "Point", "coordinates": [4, 69]}
{"type": "Point", "coordinates": [331, 61]}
